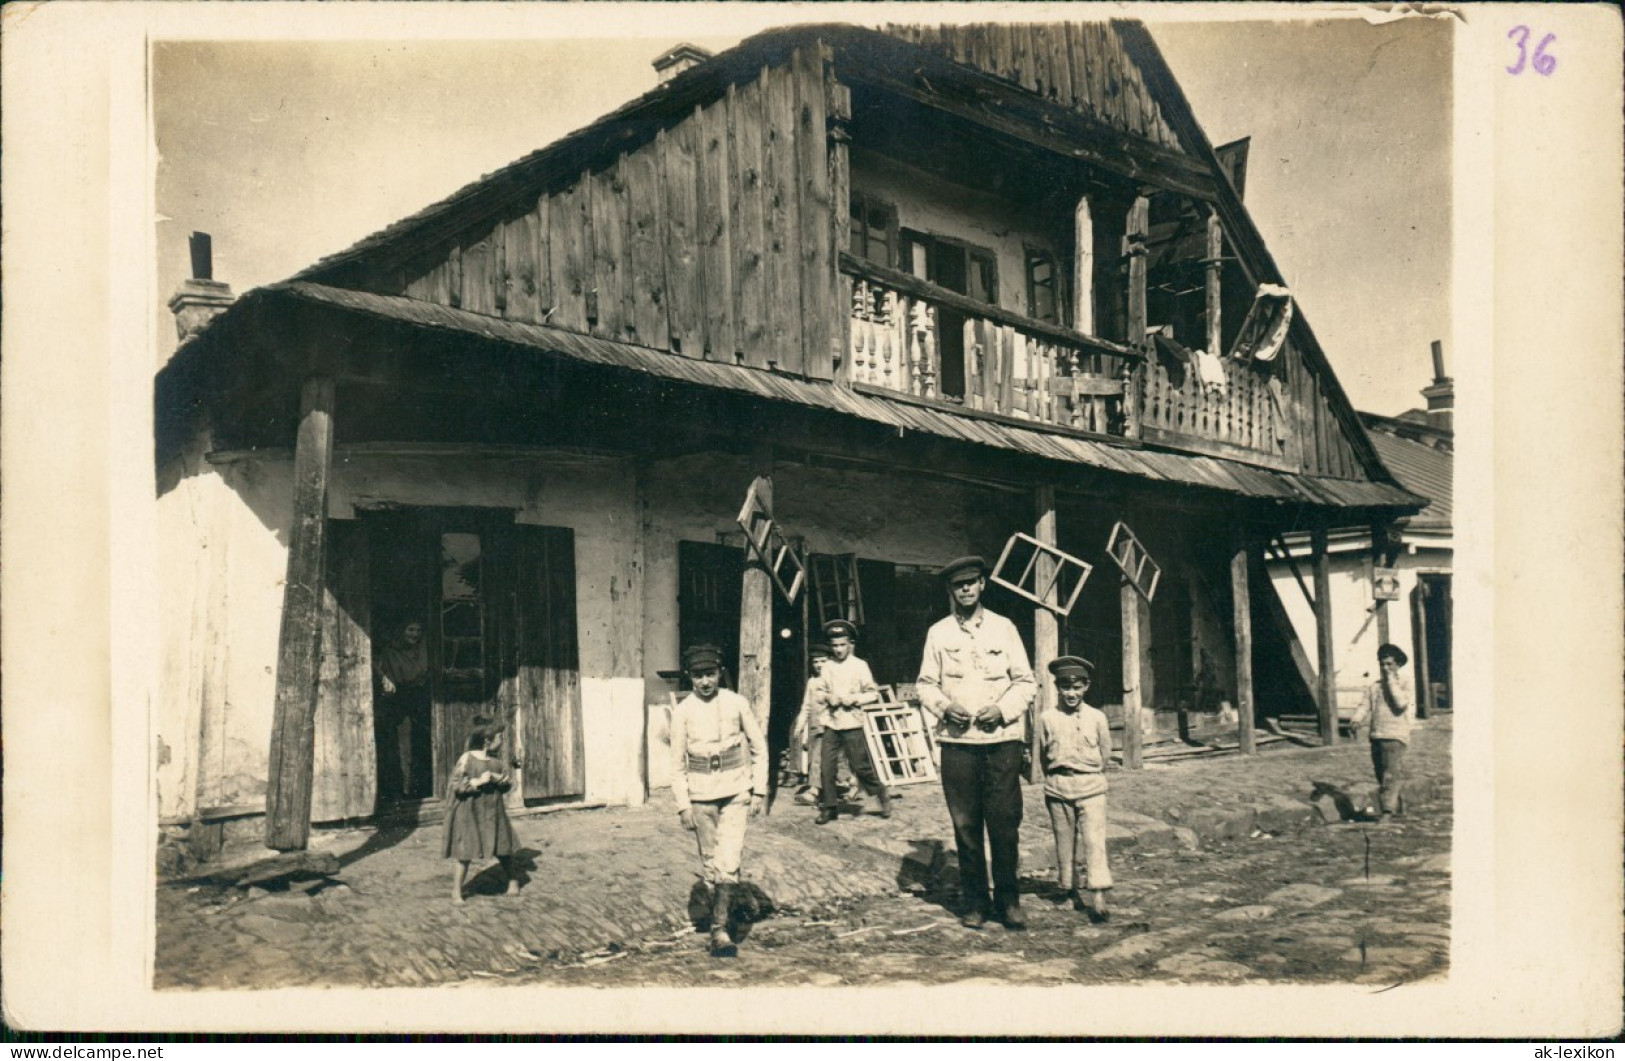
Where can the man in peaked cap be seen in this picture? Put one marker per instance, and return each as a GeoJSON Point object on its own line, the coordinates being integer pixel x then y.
{"type": "Point", "coordinates": [845, 687]}
{"type": "Point", "coordinates": [975, 680]}
{"type": "Point", "coordinates": [718, 778]}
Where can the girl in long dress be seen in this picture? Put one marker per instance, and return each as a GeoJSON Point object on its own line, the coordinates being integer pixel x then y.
{"type": "Point", "coordinates": [477, 825]}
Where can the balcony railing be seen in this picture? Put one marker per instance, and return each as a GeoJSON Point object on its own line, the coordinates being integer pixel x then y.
{"type": "Point", "coordinates": [996, 361]}
{"type": "Point", "coordinates": [1238, 408]}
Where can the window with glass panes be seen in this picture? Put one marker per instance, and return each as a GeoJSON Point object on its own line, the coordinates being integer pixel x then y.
{"type": "Point", "coordinates": [874, 230]}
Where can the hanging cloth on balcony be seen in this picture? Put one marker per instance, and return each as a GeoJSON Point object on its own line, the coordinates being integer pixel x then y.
{"type": "Point", "coordinates": [1264, 331]}
{"type": "Point", "coordinates": [1210, 372]}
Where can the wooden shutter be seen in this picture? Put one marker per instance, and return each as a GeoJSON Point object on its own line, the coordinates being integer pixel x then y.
{"type": "Point", "coordinates": [546, 681]}
{"type": "Point", "coordinates": [345, 780]}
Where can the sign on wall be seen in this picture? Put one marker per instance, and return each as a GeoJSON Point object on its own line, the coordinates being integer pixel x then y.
{"type": "Point", "coordinates": [1385, 583]}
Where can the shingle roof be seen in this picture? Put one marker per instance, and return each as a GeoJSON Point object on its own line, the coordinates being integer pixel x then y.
{"type": "Point", "coordinates": [1228, 476]}
{"type": "Point", "coordinates": [1423, 470]}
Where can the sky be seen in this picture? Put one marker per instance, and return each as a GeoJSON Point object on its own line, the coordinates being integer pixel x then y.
{"type": "Point", "coordinates": [288, 151]}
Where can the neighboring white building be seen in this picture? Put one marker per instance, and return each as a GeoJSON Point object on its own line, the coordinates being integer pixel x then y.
{"type": "Point", "coordinates": [1417, 446]}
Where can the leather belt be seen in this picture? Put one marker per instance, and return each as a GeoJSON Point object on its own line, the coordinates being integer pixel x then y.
{"type": "Point", "coordinates": [729, 759]}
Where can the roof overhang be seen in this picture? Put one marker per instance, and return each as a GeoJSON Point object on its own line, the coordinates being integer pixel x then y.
{"type": "Point", "coordinates": [240, 353]}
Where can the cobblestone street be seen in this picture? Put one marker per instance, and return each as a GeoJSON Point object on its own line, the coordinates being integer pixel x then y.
{"type": "Point", "coordinates": [1224, 870]}
{"type": "Point", "coordinates": [1276, 908]}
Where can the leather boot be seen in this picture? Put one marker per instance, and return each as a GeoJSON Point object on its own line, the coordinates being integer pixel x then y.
{"type": "Point", "coordinates": [827, 815]}
{"type": "Point", "coordinates": [722, 944]}
{"type": "Point", "coordinates": [885, 802]}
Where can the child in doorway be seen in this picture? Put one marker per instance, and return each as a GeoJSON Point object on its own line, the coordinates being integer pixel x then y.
{"type": "Point", "coordinates": [477, 825]}
{"type": "Point", "coordinates": [718, 779]}
{"type": "Point", "coordinates": [845, 686]}
{"type": "Point", "coordinates": [1075, 742]}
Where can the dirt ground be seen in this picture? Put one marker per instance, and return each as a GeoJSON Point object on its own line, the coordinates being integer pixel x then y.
{"type": "Point", "coordinates": [1362, 903]}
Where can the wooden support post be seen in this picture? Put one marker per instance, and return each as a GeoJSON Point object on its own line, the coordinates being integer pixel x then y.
{"type": "Point", "coordinates": [1133, 739]}
{"type": "Point", "coordinates": [1046, 628]}
{"type": "Point", "coordinates": [293, 723]}
{"type": "Point", "coordinates": [1323, 636]}
{"type": "Point", "coordinates": [1215, 269]}
{"type": "Point", "coordinates": [1083, 275]}
{"type": "Point", "coordinates": [755, 679]}
{"type": "Point", "coordinates": [1134, 249]}
{"type": "Point", "coordinates": [1241, 593]}
{"type": "Point", "coordinates": [1421, 667]}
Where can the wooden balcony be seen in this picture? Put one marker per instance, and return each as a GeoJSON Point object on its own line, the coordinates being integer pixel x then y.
{"type": "Point", "coordinates": [911, 337]}
{"type": "Point", "coordinates": [1244, 416]}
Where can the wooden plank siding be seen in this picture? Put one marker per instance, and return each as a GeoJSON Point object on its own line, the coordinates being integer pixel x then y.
{"type": "Point", "coordinates": [715, 246]}
{"type": "Point", "coordinates": [715, 238]}
{"type": "Point", "coordinates": [679, 178]}
{"type": "Point", "coordinates": [1080, 65]}
{"type": "Point", "coordinates": [781, 220]}
{"type": "Point", "coordinates": [745, 184]}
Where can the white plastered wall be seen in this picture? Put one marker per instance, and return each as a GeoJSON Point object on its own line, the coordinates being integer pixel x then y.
{"type": "Point", "coordinates": [1355, 637]}
{"type": "Point", "coordinates": [225, 530]}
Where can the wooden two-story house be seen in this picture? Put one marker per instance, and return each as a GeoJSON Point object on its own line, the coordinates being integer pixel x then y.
{"type": "Point", "coordinates": [923, 289]}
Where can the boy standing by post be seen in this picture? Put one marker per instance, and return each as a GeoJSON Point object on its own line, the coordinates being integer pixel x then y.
{"type": "Point", "coordinates": [1389, 709]}
{"type": "Point", "coordinates": [845, 686]}
{"type": "Point", "coordinates": [1075, 741]}
{"type": "Point", "coordinates": [805, 734]}
{"type": "Point", "coordinates": [719, 777]}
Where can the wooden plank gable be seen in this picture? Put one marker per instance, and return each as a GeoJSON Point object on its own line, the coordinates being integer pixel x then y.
{"type": "Point", "coordinates": [1078, 64]}
{"type": "Point", "coordinates": [711, 239]}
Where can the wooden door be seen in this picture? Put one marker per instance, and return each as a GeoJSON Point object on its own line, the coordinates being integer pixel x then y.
{"type": "Point", "coordinates": [345, 767]}
{"type": "Point", "coordinates": [467, 631]}
{"type": "Point", "coordinates": [543, 685]}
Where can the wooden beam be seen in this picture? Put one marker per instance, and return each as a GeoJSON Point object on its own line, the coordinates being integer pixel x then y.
{"type": "Point", "coordinates": [1323, 636]}
{"type": "Point", "coordinates": [1133, 659]}
{"type": "Point", "coordinates": [1046, 628]}
{"type": "Point", "coordinates": [1276, 616]}
{"type": "Point", "coordinates": [1083, 272]}
{"type": "Point", "coordinates": [1215, 268]}
{"type": "Point", "coordinates": [293, 723]}
{"type": "Point", "coordinates": [1240, 590]}
{"type": "Point", "coordinates": [1279, 549]}
{"type": "Point", "coordinates": [1134, 252]}
{"type": "Point", "coordinates": [755, 679]}
{"type": "Point", "coordinates": [913, 286]}
{"type": "Point", "coordinates": [1379, 558]}
{"type": "Point", "coordinates": [1422, 667]}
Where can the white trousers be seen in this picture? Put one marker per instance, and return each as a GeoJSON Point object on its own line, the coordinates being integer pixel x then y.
{"type": "Point", "coordinates": [719, 826]}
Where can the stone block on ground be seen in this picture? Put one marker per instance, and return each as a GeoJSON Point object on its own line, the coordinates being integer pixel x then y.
{"type": "Point", "coordinates": [1149, 833]}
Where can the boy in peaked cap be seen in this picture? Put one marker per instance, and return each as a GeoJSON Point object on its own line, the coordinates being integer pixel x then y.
{"type": "Point", "coordinates": [807, 729]}
{"type": "Point", "coordinates": [845, 686]}
{"type": "Point", "coordinates": [718, 778]}
{"type": "Point", "coordinates": [1075, 740]}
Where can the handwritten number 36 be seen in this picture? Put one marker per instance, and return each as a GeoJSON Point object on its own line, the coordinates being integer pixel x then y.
{"type": "Point", "coordinates": [1544, 64]}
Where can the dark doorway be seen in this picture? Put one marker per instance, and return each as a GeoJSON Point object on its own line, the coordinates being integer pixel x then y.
{"type": "Point", "coordinates": [1433, 591]}
{"type": "Point", "coordinates": [439, 570]}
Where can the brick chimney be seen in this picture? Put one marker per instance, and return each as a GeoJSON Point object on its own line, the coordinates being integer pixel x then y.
{"type": "Point", "coordinates": [1441, 395]}
{"type": "Point", "coordinates": [202, 298]}
{"type": "Point", "coordinates": [674, 61]}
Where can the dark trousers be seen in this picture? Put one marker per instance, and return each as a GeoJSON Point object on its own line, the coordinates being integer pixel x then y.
{"type": "Point", "coordinates": [982, 785]}
{"type": "Point", "coordinates": [850, 741]}
{"type": "Point", "coordinates": [1388, 759]}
